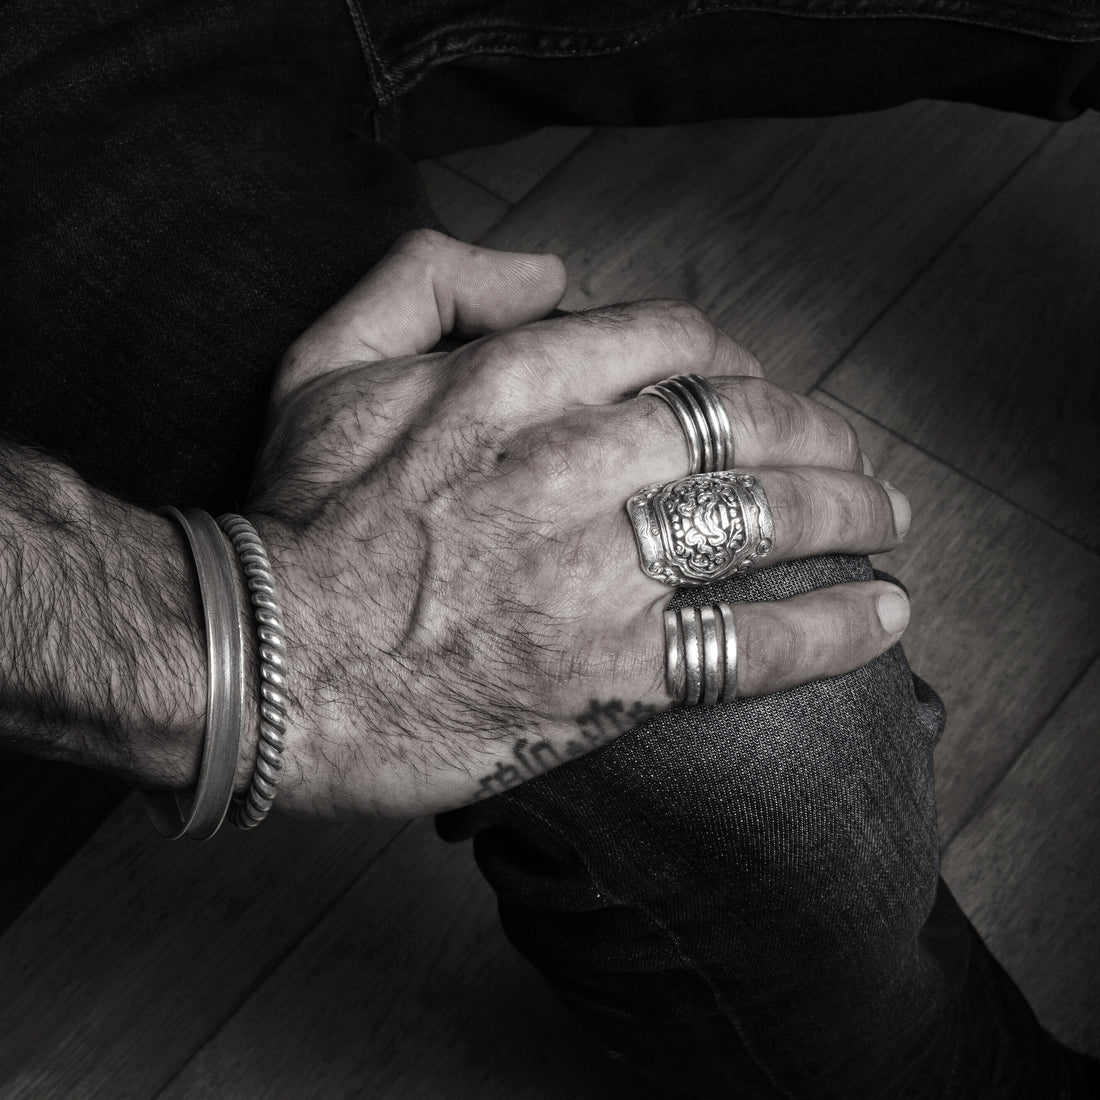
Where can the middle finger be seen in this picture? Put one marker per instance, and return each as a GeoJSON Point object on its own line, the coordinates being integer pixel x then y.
{"type": "Point", "coordinates": [814, 511]}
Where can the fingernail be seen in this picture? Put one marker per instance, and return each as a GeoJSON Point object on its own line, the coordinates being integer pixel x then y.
{"type": "Point", "coordinates": [868, 465]}
{"type": "Point", "coordinates": [903, 514]}
{"type": "Point", "coordinates": [893, 611]}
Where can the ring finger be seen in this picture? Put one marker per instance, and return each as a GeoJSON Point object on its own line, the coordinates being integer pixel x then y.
{"type": "Point", "coordinates": [642, 439]}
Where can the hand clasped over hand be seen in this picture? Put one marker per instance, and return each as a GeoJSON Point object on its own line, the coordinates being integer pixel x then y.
{"type": "Point", "coordinates": [462, 589]}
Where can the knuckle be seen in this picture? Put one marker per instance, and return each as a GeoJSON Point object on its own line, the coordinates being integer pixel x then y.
{"type": "Point", "coordinates": [744, 362]}
{"type": "Point", "coordinates": [767, 414]}
{"type": "Point", "coordinates": [853, 513]}
{"type": "Point", "coordinates": [850, 635]}
{"type": "Point", "coordinates": [554, 461]}
{"type": "Point", "coordinates": [489, 358]}
{"type": "Point", "coordinates": [496, 374]}
{"type": "Point", "coordinates": [863, 514]}
{"type": "Point", "coordinates": [421, 243]}
{"type": "Point", "coordinates": [683, 324]}
{"type": "Point", "coordinates": [818, 511]}
{"type": "Point", "coordinates": [823, 633]}
{"type": "Point", "coordinates": [850, 446]}
{"type": "Point", "coordinates": [610, 316]}
{"type": "Point", "coordinates": [843, 440]}
{"type": "Point", "coordinates": [503, 359]}
{"type": "Point", "coordinates": [769, 645]}
{"type": "Point", "coordinates": [802, 519]}
{"type": "Point", "coordinates": [415, 267]}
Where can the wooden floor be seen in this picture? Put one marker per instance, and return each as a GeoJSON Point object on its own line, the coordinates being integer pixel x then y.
{"type": "Point", "coordinates": [934, 273]}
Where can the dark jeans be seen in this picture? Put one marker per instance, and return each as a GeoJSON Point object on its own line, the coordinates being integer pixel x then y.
{"type": "Point", "coordinates": [739, 902]}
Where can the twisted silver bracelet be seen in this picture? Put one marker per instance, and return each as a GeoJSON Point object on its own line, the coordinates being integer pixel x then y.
{"type": "Point", "coordinates": [246, 812]}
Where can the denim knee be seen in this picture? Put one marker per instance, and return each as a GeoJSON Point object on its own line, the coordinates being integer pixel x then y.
{"type": "Point", "coordinates": [737, 876]}
{"type": "Point", "coordinates": [826, 788]}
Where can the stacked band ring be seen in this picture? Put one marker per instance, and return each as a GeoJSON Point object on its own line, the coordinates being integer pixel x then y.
{"type": "Point", "coordinates": [702, 416]}
{"type": "Point", "coordinates": [701, 655]}
{"type": "Point", "coordinates": [702, 528]}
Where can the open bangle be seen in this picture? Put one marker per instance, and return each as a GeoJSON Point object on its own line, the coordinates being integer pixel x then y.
{"type": "Point", "coordinates": [224, 630]}
{"type": "Point", "coordinates": [249, 811]}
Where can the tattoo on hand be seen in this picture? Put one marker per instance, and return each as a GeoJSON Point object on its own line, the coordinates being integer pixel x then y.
{"type": "Point", "coordinates": [598, 723]}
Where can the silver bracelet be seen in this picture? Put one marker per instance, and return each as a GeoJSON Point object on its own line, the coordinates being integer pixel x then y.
{"type": "Point", "coordinates": [248, 811]}
{"type": "Point", "coordinates": [224, 630]}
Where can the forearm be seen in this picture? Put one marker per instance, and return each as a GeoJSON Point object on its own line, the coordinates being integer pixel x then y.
{"type": "Point", "coordinates": [102, 658]}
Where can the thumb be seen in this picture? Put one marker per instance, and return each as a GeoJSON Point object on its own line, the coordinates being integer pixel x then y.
{"type": "Point", "coordinates": [426, 286]}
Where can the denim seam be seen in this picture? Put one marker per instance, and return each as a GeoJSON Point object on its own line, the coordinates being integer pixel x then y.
{"type": "Point", "coordinates": [379, 74]}
{"type": "Point", "coordinates": [447, 44]}
{"type": "Point", "coordinates": [695, 967]}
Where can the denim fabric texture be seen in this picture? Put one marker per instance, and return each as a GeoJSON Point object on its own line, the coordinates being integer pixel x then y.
{"type": "Point", "coordinates": [738, 902]}
{"type": "Point", "coordinates": [449, 72]}
{"type": "Point", "coordinates": [745, 901]}
{"type": "Point", "coordinates": [180, 198]}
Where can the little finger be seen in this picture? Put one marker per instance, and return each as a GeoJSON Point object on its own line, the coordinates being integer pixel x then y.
{"type": "Point", "coordinates": [715, 653]}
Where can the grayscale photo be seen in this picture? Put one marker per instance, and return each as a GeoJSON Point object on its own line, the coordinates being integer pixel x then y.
{"type": "Point", "coordinates": [549, 550]}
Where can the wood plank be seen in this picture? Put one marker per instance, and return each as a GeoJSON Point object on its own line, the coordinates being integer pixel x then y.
{"type": "Point", "coordinates": [1025, 870]}
{"type": "Point", "coordinates": [141, 947]}
{"type": "Point", "coordinates": [1012, 309]}
{"type": "Point", "coordinates": [141, 950]}
{"type": "Point", "coordinates": [406, 990]}
{"type": "Point", "coordinates": [1004, 615]}
{"type": "Point", "coordinates": [794, 234]}
{"type": "Point", "coordinates": [465, 209]}
{"type": "Point", "coordinates": [513, 169]}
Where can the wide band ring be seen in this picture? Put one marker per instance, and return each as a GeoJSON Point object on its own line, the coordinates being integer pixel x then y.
{"type": "Point", "coordinates": [702, 528]}
{"type": "Point", "coordinates": [703, 418]}
{"type": "Point", "coordinates": [701, 655]}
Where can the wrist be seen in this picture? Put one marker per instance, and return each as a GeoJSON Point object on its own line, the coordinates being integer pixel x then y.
{"type": "Point", "coordinates": [102, 658]}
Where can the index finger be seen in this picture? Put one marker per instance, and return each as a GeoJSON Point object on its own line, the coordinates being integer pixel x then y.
{"type": "Point", "coordinates": [427, 286]}
{"type": "Point", "coordinates": [600, 356]}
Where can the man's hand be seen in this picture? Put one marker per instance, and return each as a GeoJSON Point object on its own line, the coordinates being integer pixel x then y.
{"type": "Point", "coordinates": [462, 593]}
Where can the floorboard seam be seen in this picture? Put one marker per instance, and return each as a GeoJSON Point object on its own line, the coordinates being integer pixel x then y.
{"type": "Point", "coordinates": [974, 480]}
{"type": "Point", "coordinates": [952, 237]}
{"type": "Point", "coordinates": [553, 171]}
{"type": "Point", "coordinates": [513, 203]}
{"type": "Point", "coordinates": [472, 182]}
{"type": "Point", "coordinates": [1040, 724]}
{"type": "Point", "coordinates": [278, 961]}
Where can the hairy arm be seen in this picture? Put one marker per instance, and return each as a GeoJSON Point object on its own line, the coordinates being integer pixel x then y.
{"type": "Point", "coordinates": [102, 658]}
{"type": "Point", "coordinates": [458, 575]}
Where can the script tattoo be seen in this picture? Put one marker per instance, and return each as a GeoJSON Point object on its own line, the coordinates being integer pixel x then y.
{"type": "Point", "coordinates": [598, 723]}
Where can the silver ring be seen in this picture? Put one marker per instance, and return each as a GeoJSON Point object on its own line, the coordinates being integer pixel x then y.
{"type": "Point", "coordinates": [692, 435]}
{"type": "Point", "coordinates": [701, 529]}
{"type": "Point", "coordinates": [729, 639]}
{"type": "Point", "coordinates": [693, 656]}
{"type": "Point", "coordinates": [703, 419]}
{"type": "Point", "coordinates": [717, 419]}
{"type": "Point", "coordinates": [701, 655]}
{"type": "Point", "coordinates": [675, 679]}
{"type": "Point", "coordinates": [677, 388]}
